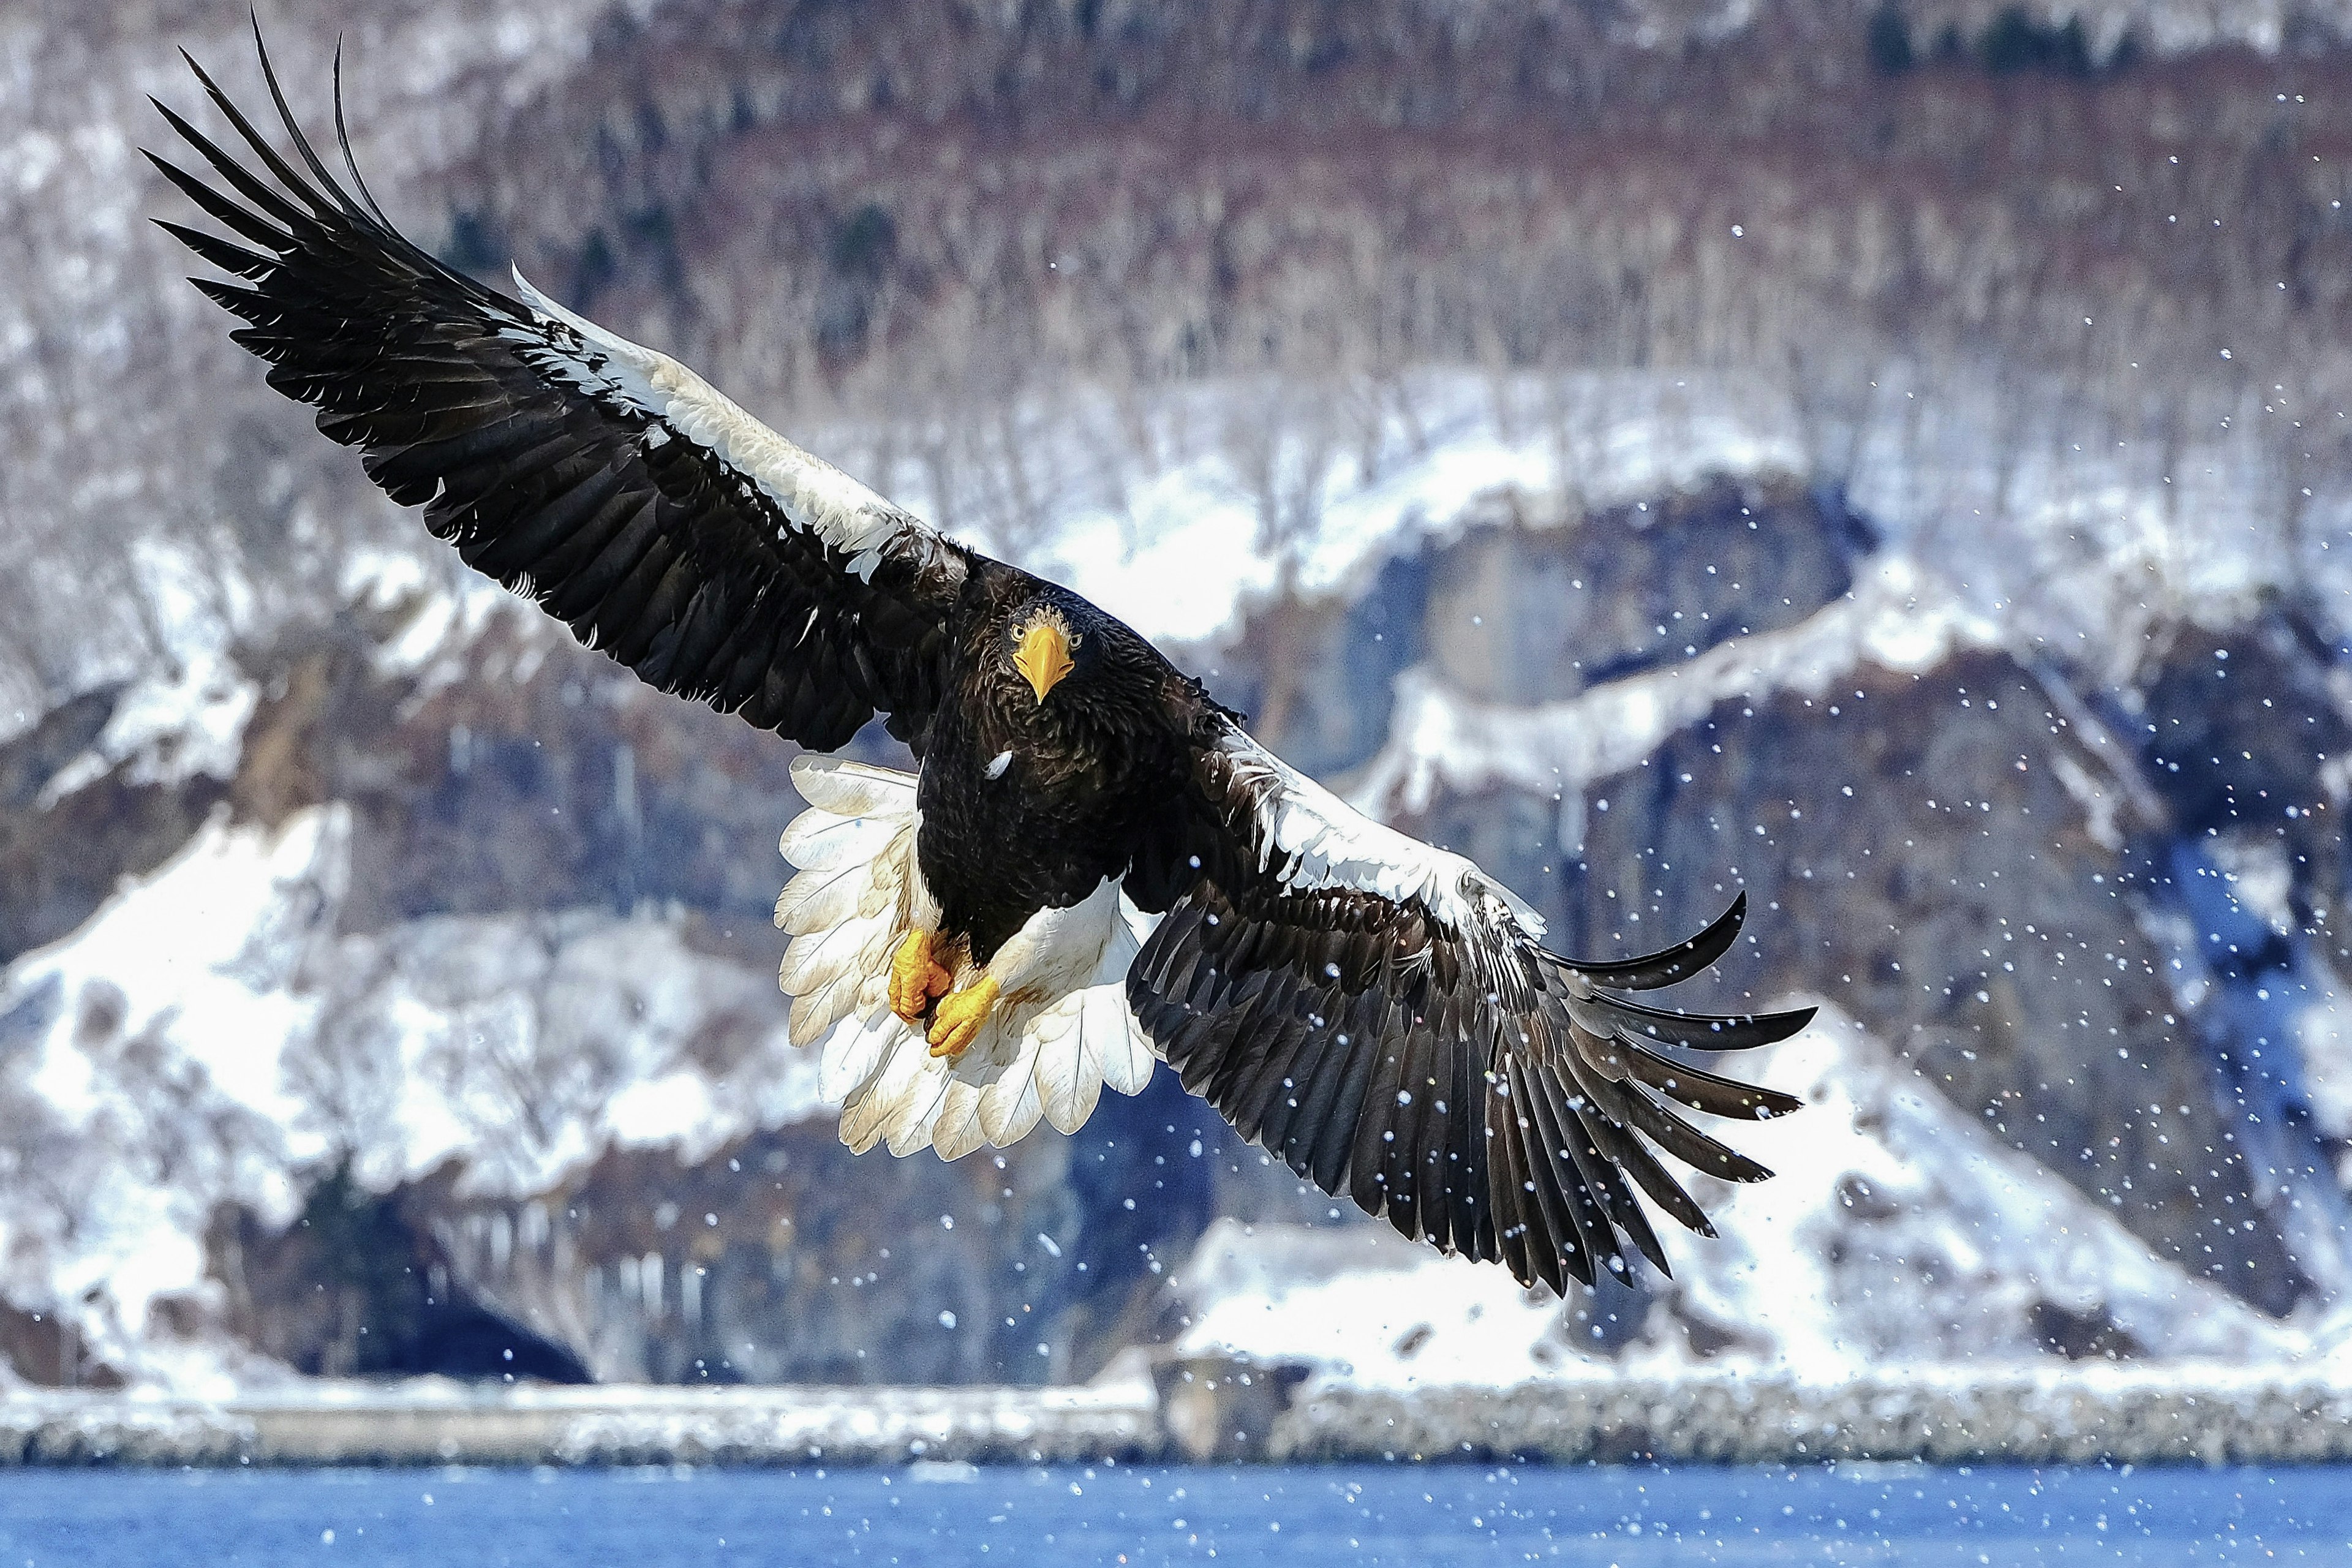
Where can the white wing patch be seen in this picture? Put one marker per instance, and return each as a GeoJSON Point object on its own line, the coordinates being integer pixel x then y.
{"type": "Point", "coordinates": [1061, 1033]}
{"type": "Point", "coordinates": [1312, 838]}
{"type": "Point", "coordinates": [811, 491]}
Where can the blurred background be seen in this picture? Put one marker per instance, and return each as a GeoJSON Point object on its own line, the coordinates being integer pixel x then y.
{"type": "Point", "coordinates": [1890, 458]}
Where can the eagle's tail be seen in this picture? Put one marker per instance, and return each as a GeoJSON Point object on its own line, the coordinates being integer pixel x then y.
{"type": "Point", "coordinates": [1048, 1049]}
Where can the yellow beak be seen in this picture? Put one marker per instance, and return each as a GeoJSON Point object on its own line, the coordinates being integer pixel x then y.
{"type": "Point", "coordinates": [1042, 657]}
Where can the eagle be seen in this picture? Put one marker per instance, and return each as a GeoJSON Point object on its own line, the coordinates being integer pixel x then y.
{"type": "Point", "coordinates": [1094, 868]}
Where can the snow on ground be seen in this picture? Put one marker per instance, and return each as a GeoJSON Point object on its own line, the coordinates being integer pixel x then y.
{"type": "Point", "coordinates": [441, 617]}
{"type": "Point", "coordinates": [1183, 510]}
{"type": "Point", "coordinates": [1895, 618]}
{"type": "Point", "coordinates": [208, 1036]}
{"type": "Point", "coordinates": [2161, 28]}
{"type": "Point", "coordinates": [184, 714]}
{"type": "Point", "coordinates": [1896, 1231]}
{"type": "Point", "coordinates": [174, 1052]}
{"type": "Point", "coordinates": [527, 1044]}
{"type": "Point", "coordinates": [122, 439]}
{"type": "Point", "coordinates": [139, 1085]}
{"type": "Point", "coordinates": [1365, 1305]}
{"type": "Point", "coordinates": [1897, 1228]}
{"type": "Point", "coordinates": [1229, 507]}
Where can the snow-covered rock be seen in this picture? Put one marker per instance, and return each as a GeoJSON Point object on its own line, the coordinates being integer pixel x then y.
{"type": "Point", "coordinates": [211, 1038]}
{"type": "Point", "coordinates": [1896, 1234]}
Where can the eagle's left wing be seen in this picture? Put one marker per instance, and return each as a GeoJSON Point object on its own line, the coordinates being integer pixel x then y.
{"type": "Point", "coordinates": [607, 481]}
{"type": "Point", "coordinates": [1383, 1016]}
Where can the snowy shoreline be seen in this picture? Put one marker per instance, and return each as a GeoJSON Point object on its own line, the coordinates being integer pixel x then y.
{"type": "Point", "coordinates": [2152, 1414]}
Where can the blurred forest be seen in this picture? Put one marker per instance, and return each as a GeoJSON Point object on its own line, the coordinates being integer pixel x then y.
{"type": "Point", "coordinates": [2032, 329]}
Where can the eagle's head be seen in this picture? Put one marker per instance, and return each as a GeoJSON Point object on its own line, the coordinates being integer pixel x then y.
{"type": "Point", "coordinates": [1046, 640]}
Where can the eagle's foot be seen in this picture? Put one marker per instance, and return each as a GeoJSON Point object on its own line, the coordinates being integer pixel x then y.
{"type": "Point", "coordinates": [957, 1023]}
{"type": "Point", "coordinates": [917, 976]}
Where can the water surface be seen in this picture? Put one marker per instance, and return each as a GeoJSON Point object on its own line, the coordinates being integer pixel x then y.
{"type": "Point", "coordinates": [943, 1516]}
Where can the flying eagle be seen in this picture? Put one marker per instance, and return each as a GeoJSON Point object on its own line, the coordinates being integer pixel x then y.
{"type": "Point", "coordinates": [1094, 866]}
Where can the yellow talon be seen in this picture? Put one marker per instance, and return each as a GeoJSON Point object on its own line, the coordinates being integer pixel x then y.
{"type": "Point", "coordinates": [960, 1017]}
{"type": "Point", "coordinates": [916, 976]}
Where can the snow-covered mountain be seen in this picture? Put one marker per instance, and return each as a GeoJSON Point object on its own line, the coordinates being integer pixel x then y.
{"type": "Point", "coordinates": [1629, 501]}
{"type": "Point", "coordinates": [1896, 1235]}
{"type": "Point", "coordinates": [218, 1033]}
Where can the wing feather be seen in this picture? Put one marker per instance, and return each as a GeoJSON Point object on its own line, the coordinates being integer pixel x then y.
{"type": "Point", "coordinates": [635, 502]}
{"type": "Point", "coordinates": [1578, 1226]}
{"type": "Point", "coordinates": [1383, 1016]}
{"type": "Point", "coordinates": [1515, 1196]}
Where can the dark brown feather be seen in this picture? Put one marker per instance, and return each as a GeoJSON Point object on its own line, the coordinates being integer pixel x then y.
{"type": "Point", "coordinates": [462, 398]}
{"type": "Point", "coordinates": [1477, 1091]}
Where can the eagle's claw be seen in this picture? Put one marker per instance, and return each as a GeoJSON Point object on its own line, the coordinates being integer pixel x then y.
{"type": "Point", "coordinates": [957, 1023]}
{"type": "Point", "coordinates": [916, 976]}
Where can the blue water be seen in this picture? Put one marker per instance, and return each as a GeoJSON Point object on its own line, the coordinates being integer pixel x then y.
{"type": "Point", "coordinates": [946, 1517]}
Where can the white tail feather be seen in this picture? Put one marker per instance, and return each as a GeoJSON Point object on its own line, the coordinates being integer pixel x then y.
{"type": "Point", "coordinates": [1010, 1107]}
{"type": "Point", "coordinates": [1062, 1032]}
{"type": "Point", "coordinates": [977, 1088]}
{"type": "Point", "coordinates": [1069, 1075]}
{"type": "Point", "coordinates": [957, 1131]}
{"type": "Point", "coordinates": [824, 958]}
{"type": "Point", "coordinates": [1126, 1058]}
{"type": "Point", "coordinates": [835, 840]}
{"type": "Point", "coordinates": [850, 789]}
{"type": "Point", "coordinates": [897, 1101]}
{"type": "Point", "coordinates": [853, 1050]}
{"type": "Point", "coordinates": [818, 900]}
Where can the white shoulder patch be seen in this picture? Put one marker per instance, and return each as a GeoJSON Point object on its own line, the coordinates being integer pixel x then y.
{"type": "Point", "coordinates": [811, 491]}
{"type": "Point", "coordinates": [1321, 841]}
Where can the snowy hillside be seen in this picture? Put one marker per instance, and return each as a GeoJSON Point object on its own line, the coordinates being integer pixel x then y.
{"type": "Point", "coordinates": [208, 1038]}
{"type": "Point", "coordinates": [1894, 1234]}
{"type": "Point", "coordinates": [1917, 498]}
{"type": "Point", "coordinates": [215, 1034]}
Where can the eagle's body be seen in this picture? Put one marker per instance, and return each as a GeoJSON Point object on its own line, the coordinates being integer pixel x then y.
{"type": "Point", "coordinates": [1096, 867]}
{"type": "Point", "coordinates": [1073, 787]}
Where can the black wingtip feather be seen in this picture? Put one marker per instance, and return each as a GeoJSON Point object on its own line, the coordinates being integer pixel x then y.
{"type": "Point", "coordinates": [220, 252]}
{"type": "Point", "coordinates": [321, 206]}
{"type": "Point", "coordinates": [1707, 1091]}
{"type": "Point", "coordinates": [270, 202]}
{"type": "Point", "coordinates": [243, 304]}
{"type": "Point", "coordinates": [302, 147]}
{"type": "Point", "coordinates": [1693, 956]}
{"type": "Point", "coordinates": [220, 207]}
{"type": "Point", "coordinates": [1605, 1015]}
{"type": "Point", "coordinates": [343, 141]}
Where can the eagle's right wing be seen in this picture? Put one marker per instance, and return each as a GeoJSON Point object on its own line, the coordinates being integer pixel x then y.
{"type": "Point", "coordinates": [607, 481]}
{"type": "Point", "coordinates": [1381, 1015]}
